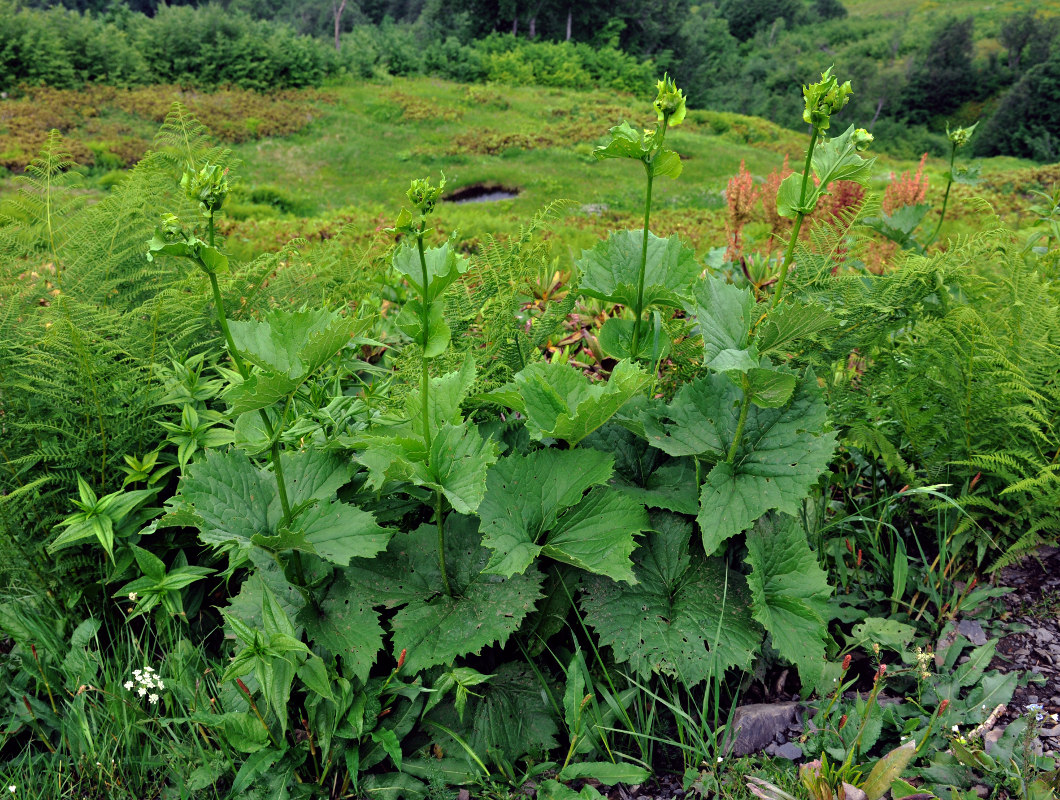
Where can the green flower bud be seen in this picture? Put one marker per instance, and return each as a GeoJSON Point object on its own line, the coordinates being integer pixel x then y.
{"type": "Point", "coordinates": [423, 196]}
{"type": "Point", "coordinates": [825, 98]}
{"type": "Point", "coordinates": [209, 187]}
{"type": "Point", "coordinates": [862, 139]}
{"type": "Point", "coordinates": [960, 136]}
{"type": "Point", "coordinates": [670, 102]}
{"type": "Point", "coordinates": [171, 229]}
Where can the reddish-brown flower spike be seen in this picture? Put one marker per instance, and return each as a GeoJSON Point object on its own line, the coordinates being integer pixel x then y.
{"type": "Point", "coordinates": [850, 547]}
{"type": "Point", "coordinates": [243, 686]}
{"type": "Point", "coordinates": [842, 721]}
{"type": "Point", "coordinates": [859, 556]}
{"type": "Point", "coordinates": [972, 584]}
{"type": "Point", "coordinates": [33, 649]}
{"type": "Point", "coordinates": [944, 705]}
{"type": "Point", "coordinates": [401, 658]}
{"type": "Point", "coordinates": [881, 672]}
{"type": "Point", "coordinates": [846, 662]}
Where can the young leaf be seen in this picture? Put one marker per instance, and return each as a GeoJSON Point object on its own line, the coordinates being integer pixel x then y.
{"type": "Point", "coordinates": [561, 403]}
{"type": "Point", "coordinates": [444, 266]}
{"type": "Point", "coordinates": [686, 618]}
{"type": "Point", "coordinates": [725, 314]}
{"type": "Point", "coordinates": [604, 771]}
{"type": "Point", "coordinates": [611, 270]}
{"type": "Point", "coordinates": [789, 592]}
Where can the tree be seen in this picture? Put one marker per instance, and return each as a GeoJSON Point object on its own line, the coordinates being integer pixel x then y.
{"type": "Point", "coordinates": [942, 76]}
{"type": "Point", "coordinates": [1027, 121]}
{"type": "Point", "coordinates": [747, 17]}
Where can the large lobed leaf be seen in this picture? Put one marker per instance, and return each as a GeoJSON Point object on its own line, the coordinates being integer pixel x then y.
{"type": "Point", "coordinates": [535, 505]}
{"type": "Point", "coordinates": [789, 593]}
{"type": "Point", "coordinates": [782, 453]}
{"type": "Point", "coordinates": [611, 270]}
{"type": "Point", "coordinates": [235, 505]}
{"type": "Point", "coordinates": [444, 265]}
{"type": "Point", "coordinates": [688, 617]}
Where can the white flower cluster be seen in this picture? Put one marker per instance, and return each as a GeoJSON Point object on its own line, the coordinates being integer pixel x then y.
{"type": "Point", "coordinates": [145, 683]}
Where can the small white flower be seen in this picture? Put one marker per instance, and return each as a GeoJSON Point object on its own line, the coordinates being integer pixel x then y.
{"type": "Point", "coordinates": [133, 596]}
{"type": "Point", "coordinates": [153, 698]}
{"type": "Point", "coordinates": [148, 669]}
{"type": "Point", "coordinates": [141, 691]}
{"type": "Point", "coordinates": [720, 759]}
{"type": "Point", "coordinates": [956, 728]}
{"type": "Point", "coordinates": [12, 789]}
{"type": "Point", "coordinates": [160, 684]}
{"type": "Point", "coordinates": [129, 685]}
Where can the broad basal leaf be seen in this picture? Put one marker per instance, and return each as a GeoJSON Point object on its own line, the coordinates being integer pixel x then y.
{"type": "Point", "coordinates": [444, 265]}
{"type": "Point", "coordinates": [338, 531]}
{"type": "Point", "coordinates": [235, 505]}
{"type": "Point", "coordinates": [611, 270]}
{"type": "Point", "coordinates": [534, 504]}
{"type": "Point", "coordinates": [346, 624]}
{"type": "Point", "coordinates": [687, 618]}
{"type": "Point", "coordinates": [782, 453]}
{"type": "Point", "coordinates": [435, 628]}
{"type": "Point", "coordinates": [229, 498]}
{"type": "Point", "coordinates": [789, 592]}
{"type": "Point", "coordinates": [513, 718]}
{"type": "Point", "coordinates": [525, 495]}
{"type": "Point", "coordinates": [561, 403]}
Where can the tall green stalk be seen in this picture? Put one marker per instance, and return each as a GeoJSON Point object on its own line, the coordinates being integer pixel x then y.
{"type": "Point", "coordinates": [241, 367]}
{"type": "Point", "coordinates": [425, 384]}
{"type": "Point", "coordinates": [800, 215]}
{"type": "Point", "coordinates": [945, 197]}
{"type": "Point", "coordinates": [638, 310]}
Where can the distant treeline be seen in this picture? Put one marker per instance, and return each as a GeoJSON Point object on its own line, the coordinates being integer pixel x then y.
{"type": "Point", "coordinates": [747, 56]}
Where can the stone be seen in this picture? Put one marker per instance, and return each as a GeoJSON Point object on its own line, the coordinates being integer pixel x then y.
{"type": "Point", "coordinates": [973, 631]}
{"type": "Point", "coordinates": [755, 726]}
{"type": "Point", "coordinates": [852, 792]}
{"type": "Point", "coordinates": [791, 752]}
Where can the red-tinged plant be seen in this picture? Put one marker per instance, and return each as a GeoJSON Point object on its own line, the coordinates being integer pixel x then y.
{"type": "Point", "coordinates": [741, 197]}
{"type": "Point", "coordinates": [907, 190]}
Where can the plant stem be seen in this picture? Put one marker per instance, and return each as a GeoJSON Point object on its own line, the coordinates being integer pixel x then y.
{"type": "Point", "coordinates": [945, 197]}
{"type": "Point", "coordinates": [425, 384]}
{"type": "Point", "coordinates": [798, 220]}
{"type": "Point", "coordinates": [441, 542]}
{"type": "Point", "coordinates": [241, 367]}
{"type": "Point", "coordinates": [639, 308]}
{"type": "Point", "coordinates": [744, 406]}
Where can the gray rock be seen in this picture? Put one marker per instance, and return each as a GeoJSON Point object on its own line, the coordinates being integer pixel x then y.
{"type": "Point", "coordinates": [791, 752]}
{"type": "Point", "coordinates": [853, 792]}
{"type": "Point", "coordinates": [973, 631]}
{"type": "Point", "coordinates": [755, 726]}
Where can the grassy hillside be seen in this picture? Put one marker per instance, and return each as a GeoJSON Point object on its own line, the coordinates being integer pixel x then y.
{"type": "Point", "coordinates": [358, 145]}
